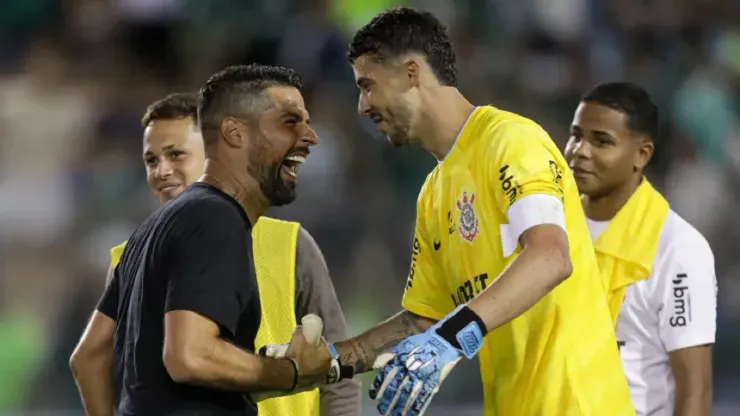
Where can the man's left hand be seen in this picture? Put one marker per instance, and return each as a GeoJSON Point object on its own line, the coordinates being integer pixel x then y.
{"type": "Point", "coordinates": [413, 370]}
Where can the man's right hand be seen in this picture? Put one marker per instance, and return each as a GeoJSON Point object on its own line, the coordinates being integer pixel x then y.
{"type": "Point", "coordinates": [312, 328]}
{"type": "Point", "coordinates": [310, 355]}
{"type": "Point", "coordinates": [313, 361]}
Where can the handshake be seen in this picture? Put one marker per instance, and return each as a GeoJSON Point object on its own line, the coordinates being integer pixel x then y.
{"type": "Point", "coordinates": [409, 375]}
{"type": "Point", "coordinates": [316, 361]}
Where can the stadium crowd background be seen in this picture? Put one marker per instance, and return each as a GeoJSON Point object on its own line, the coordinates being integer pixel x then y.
{"type": "Point", "coordinates": [76, 76]}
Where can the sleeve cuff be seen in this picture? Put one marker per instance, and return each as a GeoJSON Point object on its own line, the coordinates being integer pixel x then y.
{"type": "Point", "coordinates": [691, 339]}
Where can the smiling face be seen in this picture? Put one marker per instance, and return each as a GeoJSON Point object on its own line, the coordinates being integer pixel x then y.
{"type": "Point", "coordinates": [388, 99]}
{"type": "Point", "coordinates": [280, 141]}
{"type": "Point", "coordinates": [173, 156]}
{"type": "Point", "coordinates": [602, 151]}
{"type": "Point", "coordinates": [398, 57]}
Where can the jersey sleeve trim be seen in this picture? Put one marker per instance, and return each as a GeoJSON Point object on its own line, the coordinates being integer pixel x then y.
{"type": "Point", "coordinates": [690, 339]}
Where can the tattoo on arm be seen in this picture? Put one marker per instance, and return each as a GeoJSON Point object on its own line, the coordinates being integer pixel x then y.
{"type": "Point", "coordinates": [362, 351]}
{"type": "Point", "coordinates": [315, 294]}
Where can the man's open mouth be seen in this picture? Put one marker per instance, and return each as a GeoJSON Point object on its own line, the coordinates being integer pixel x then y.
{"type": "Point", "coordinates": [291, 164]}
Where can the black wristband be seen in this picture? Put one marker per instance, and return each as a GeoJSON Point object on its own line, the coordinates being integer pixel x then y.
{"type": "Point", "coordinates": [455, 323]}
{"type": "Point", "coordinates": [295, 374]}
{"type": "Point", "coordinates": [346, 371]}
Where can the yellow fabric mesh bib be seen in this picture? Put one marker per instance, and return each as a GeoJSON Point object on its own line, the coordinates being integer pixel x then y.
{"type": "Point", "coordinates": [274, 260]}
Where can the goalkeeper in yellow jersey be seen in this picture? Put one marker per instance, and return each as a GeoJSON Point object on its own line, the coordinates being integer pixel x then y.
{"type": "Point", "coordinates": [290, 269]}
{"type": "Point", "coordinates": [502, 266]}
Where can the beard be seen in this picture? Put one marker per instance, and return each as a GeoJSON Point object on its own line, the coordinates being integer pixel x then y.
{"type": "Point", "coordinates": [275, 189]}
{"type": "Point", "coordinates": [398, 139]}
{"type": "Point", "coordinates": [272, 185]}
{"type": "Point", "coordinates": [398, 136]}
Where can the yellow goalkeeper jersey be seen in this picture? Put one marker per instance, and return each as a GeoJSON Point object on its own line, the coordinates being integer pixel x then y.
{"type": "Point", "coordinates": [559, 358]}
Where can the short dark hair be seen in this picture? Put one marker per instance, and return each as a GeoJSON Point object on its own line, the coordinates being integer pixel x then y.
{"type": "Point", "coordinates": [642, 113]}
{"type": "Point", "coordinates": [402, 30]}
{"type": "Point", "coordinates": [225, 92]}
{"type": "Point", "coordinates": [173, 106]}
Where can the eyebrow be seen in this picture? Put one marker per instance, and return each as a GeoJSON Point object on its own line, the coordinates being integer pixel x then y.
{"type": "Point", "coordinates": [166, 148]}
{"type": "Point", "coordinates": [577, 129]}
{"type": "Point", "coordinates": [604, 133]}
{"type": "Point", "coordinates": [295, 112]}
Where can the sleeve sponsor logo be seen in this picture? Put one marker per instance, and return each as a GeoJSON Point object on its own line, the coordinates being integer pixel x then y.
{"type": "Point", "coordinates": [414, 256]}
{"type": "Point", "coordinates": [557, 174]}
{"type": "Point", "coordinates": [557, 178]}
{"type": "Point", "coordinates": [509, 185]}
{"type": "Point", "coordinates": [681, 311]}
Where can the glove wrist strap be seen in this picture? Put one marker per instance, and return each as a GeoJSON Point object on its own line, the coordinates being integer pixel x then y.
{"type": "Point", "coordinates": [464, 330]}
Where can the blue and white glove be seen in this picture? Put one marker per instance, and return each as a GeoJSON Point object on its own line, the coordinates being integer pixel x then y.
{"type": "Point", "coordinates": [413, 370]}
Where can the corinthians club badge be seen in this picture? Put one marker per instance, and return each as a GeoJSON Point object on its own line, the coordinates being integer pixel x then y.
{"type": "Point", "coordinates": [468, 220]}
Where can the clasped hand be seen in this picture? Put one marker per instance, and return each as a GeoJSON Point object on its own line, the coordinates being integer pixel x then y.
{"type": "Point", "coordinates": [312, 361]}
{"type": "Point", "coordinates": [310, 354]}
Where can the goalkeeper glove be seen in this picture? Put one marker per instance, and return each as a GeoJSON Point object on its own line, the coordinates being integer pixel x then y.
{"type": "Point", "coordinates": [413, 370]}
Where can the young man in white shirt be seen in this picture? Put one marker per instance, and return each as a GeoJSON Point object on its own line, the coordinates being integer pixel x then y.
{"type": "Point", "coordinates": [667, 321]}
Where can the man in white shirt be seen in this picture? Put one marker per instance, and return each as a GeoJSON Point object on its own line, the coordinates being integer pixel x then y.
{"type": "Point", "coordinates": [667, 321]}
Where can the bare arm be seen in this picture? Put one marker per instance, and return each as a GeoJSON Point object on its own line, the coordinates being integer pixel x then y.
{"type": "Point", "coordinates": [543, 264]}
{"type": "Point", "coordinates": [315, 294]}
{"type": "Point", "coordinates": [692, 369]}
{"type": "Point", "coordinates": [92, 366]}
{"type": "Point", "coordinates": [92, 360]}
{"type": "Point", "coordinates": [194, 353]}
{"type": "Point", "coordinates": [361, 351]}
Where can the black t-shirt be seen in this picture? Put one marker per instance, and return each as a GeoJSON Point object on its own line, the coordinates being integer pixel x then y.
{"type": "Point", "coordinates": [194, 253]}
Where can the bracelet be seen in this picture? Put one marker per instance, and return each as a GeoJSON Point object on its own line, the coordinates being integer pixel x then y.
{"type": "Point", "coordinates": [337, 370]}
{"type": "Point", "coordinates": [295, 374]}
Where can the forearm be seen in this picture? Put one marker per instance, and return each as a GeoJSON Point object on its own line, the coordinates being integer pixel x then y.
{"type": "Point", "coordinates": [530, 277]}
{"type": "Point", "coordinates": [226, 367]}
{"type": "Point", "coordinates": [695, 403]}
{"type": "Point", "coordinates": [341, 399]}
{"type": "Point", "coordinates": [693, 392]}
{"type": "Point", "coordinates": [361, 351]}
{"type": "Point", "coordinates": [94, 378]}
